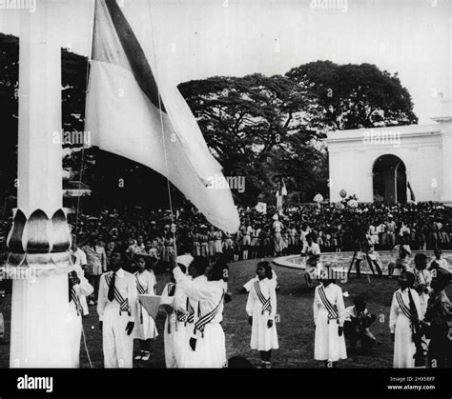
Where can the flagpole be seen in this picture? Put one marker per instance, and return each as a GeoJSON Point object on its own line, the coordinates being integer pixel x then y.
{"type": "Point", "coordinates": [39, 240]}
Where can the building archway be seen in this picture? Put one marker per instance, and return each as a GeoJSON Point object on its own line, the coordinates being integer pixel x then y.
{"type": "Point", "coordinates": [389, 179]}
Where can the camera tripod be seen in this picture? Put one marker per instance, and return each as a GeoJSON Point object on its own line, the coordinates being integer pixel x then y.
{"type": "Point", "coordinates": [357, 262]}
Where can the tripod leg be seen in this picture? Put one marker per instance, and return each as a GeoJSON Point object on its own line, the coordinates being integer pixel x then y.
{"type": "Point", "coordinates": [351, 264]}
{"type": "Point", "coordinates": [378, 268]}
{"type": "Point", "coordinates": [358, 268]}
{"type": "Point", "coordinates": [369, 262]}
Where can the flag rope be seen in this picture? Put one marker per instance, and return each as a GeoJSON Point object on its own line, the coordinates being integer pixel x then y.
{"type": "Point", "coordinates": [170, 199]}
{"type": "Point", "coordinates": [82, 169]}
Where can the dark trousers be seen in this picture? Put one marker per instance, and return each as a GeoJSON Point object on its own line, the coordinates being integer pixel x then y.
{"type": "Point", "coordinates": [94, 281]}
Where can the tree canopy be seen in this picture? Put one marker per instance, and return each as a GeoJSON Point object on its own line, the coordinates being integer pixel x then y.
{"type": "Point", "coordinates": [355, 96]}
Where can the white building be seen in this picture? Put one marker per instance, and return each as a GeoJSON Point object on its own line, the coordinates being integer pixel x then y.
{"type": "Point", "coordinates": [381, 163]}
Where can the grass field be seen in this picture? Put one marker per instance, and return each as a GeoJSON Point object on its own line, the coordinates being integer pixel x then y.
{"type": "Point", "coordinates": [295, 330]}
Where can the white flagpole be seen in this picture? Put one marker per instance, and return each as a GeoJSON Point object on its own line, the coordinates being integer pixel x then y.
{"type": "Point", "coordinates": [39, 240]}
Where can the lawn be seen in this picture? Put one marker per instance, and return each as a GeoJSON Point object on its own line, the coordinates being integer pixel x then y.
{"type": "Point", "coordinates": [296, 328]}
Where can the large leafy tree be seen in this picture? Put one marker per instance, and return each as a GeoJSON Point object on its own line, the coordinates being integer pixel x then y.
{"type": "Point", "coordinates": [257, 127]}
{"type": "Point", "coordinates": [354, 96]}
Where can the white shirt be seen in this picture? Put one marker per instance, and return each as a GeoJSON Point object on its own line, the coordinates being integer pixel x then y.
{"type": "Point", "coordinates": [201, 292]}
{"type": "Point", "coordinates": [334, 295]}
{"type": "Point", "coordinates": [80, 258]}
{"type": "Point", "coordinates": [125, 283]}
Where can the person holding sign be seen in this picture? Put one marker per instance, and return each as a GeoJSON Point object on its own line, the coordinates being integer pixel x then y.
{"type": "Point", "coordinates": [329, 312]}
{"type": "Point", "coordinates": [261, 310]}
{"type": "Point", "coordinates": [145, 329]}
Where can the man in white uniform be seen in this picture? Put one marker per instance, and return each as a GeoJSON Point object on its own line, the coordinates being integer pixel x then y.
{"type": "Point", "coordinates": [207, 346]}
{"type": "Point", "coordinates": [179, 319]}
{"type": "Point", "coordinates": [116, 308]}
{"type": "Point", "coordinates": [79, 288]}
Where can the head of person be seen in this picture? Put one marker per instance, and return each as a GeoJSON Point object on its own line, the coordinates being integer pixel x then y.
{"type": "Point", "coordinates": [115, 260]}
{"type": "Point", "coordinates": [310, 239]}
{"type": "Point", "coordinates": [198, 266]}
{"type": "Point", "coordinates": [360, 303]}
{"type": "Point", "coordinates": [440, 280]}
{"type": "Point", "coordinates": [437, 253]}
{"type": "Point", "coordinates": [406, 280]}
{"type": "Point", "coordinates": [148, 245]}
{"type": "Point", "coordinates": [405, 239]}
{"type": "Point", "coordinates": [141, 263]}
{"type": "Point", "coordinates": [140, 240]}
{"type": "Point", "coordinates": [92, 240]}
{"type": "Point", "coordinates": [420, 261]}
{"type": "Point", "coordinates": [214, 272]}
{"type": "Point", "coordinates": [264, 270]}
{"type": "Point", "coordinates": [327, 275]}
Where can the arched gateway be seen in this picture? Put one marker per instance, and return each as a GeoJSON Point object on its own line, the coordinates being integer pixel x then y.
{"type": "Point", "coordinates": [389, 179]}
{"type": "Point", "coordinates": [393, 164]}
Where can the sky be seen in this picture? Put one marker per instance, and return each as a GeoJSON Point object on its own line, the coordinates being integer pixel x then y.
{"type": "Point", "coordinates": [196, 39]}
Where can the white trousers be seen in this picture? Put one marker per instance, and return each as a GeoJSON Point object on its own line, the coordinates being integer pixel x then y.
{"type": "Point", "coordinates": [117, 345]}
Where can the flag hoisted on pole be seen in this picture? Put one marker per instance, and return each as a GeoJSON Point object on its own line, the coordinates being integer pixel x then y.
{"type": "Point", "coordinates": [131, 113]}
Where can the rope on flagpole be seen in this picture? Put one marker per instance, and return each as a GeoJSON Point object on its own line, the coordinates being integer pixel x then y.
{"type": "Point", "coordinates": [82, 169]}
{"type": "Point", "coordinates": [82, 161]}
{"type": "Point", "coordinates": [163, 130]}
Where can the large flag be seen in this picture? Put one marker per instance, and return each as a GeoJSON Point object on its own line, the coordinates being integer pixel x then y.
{"type": "Point", "coordinates": [130, 113]}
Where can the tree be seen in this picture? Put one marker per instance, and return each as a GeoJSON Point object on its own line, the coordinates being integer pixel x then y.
{"type": "Point", "coordinates": [354, 96]}
{"type": "Point", "coordinates": [255, 125]}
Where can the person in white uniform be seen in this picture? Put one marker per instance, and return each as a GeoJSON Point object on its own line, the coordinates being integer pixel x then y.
{"type": "Point", "coordinates": [79, 259]}
{"type": "Point", "coordinates": [145, 328]}
{"type": "Point", "coordinates": [438, 262]}
{"type": "Point", "coordinates": [261, 310]}
{"type": "Point", "coordinates": [79, 288]}
{"type": "Point", "coordinates": [207, 346]}
{"type": "Point", "coordinates": [116, 308]}
{"type": "Point", "coordinates": [329, 314]}
{"type": "Point", "coordinates": [423, 279]}
{"type": "Point", "coordinates": [405, 301]}
{"type": "Point", "coordinates": [311, 251]}
{"type": "Point", "coordinates": [180, 316]}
